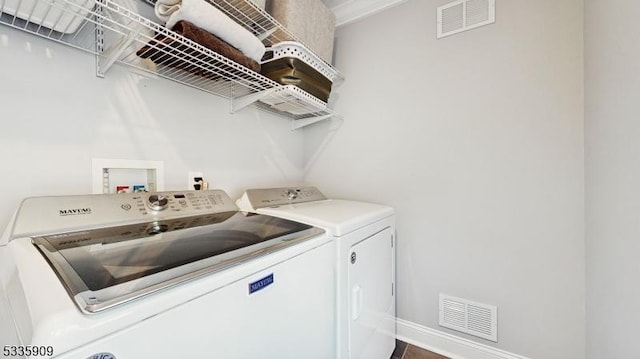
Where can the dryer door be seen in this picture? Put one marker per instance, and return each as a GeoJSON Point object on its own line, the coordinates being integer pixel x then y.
{"type": "Point", "coordinates": [371, 298]}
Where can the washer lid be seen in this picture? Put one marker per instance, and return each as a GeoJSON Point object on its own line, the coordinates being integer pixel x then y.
{"type": "Point", "coordinates": [104, 267]}
{"type": "Point", "coordinates": [337, 217]}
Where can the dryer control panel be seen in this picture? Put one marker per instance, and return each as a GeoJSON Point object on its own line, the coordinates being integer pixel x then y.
{"type": "Point", "coordinates": [253, 199]}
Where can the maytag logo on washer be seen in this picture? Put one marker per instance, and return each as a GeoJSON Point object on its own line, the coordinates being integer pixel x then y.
{"type": "Point", "coordinates": [102, 356]}
{"type": "Point", "coordinates": [260, 284]}
{"type": "Point", "coordinates": [74, 211]}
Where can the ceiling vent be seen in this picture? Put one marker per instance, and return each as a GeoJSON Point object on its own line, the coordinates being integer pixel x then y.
{"type": "Point", "coordinates": [463, 15]}
{"type": "Point", "coordinates": [480, 320]}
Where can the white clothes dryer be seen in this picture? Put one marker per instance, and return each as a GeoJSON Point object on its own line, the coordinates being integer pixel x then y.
{"type": "Point", "coordinates": [364, 236]}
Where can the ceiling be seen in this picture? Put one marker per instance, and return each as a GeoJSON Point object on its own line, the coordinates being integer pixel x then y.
{"type": "Point", "coordinates": [348, 11]}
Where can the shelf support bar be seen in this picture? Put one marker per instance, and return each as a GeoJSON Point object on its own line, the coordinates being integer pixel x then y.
{"type": "Point", "coordinates": [99, 35]}
{"type": "Point", "coordinates": [308, 121]}
{"type": "Point", "coordinates": [246, 100]}
{"type": "Point", "coordinates": [115, 53]}
{"type": "Point", "coordinates": [266, 34]}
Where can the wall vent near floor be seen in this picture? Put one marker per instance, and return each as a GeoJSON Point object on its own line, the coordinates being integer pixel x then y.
{"type": "Point", "coordinates": [477, 319]}
{"type": "Point", "coordinates": [463, 15]}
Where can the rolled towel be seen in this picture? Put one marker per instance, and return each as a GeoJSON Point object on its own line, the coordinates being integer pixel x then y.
{"type": "Point", "coordinates": [209, 18]}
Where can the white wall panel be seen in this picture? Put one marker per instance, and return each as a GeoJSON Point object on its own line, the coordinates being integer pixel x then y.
{"type": "Point", "coordinates": [612, 138]}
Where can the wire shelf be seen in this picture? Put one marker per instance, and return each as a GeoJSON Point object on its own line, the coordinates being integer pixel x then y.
{"type": "Point", "coordinates": [116, 34]}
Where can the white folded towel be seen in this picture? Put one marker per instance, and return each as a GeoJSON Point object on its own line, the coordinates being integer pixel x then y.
{"type": "Point", "coordinates": [209, 18]}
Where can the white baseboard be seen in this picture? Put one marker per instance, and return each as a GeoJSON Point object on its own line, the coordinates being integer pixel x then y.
{"type": "Point", "coordinates": [448, 345]}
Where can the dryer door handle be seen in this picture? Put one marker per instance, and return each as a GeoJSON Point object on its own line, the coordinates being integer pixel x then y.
{"type": "Point", "coordinates": [356, 302]}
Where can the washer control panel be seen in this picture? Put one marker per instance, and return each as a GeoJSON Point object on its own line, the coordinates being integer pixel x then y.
{"type": "Point", "coordinates": [190, 202]}
{"type": "Point", "coordinates": [253, 199]}
{"type": "Point", "coordinates": [45, 215]}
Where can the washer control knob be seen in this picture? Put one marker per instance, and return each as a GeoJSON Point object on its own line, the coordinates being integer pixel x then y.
{"type": "Point", "coordinates": [158, 202]}
{"type": "Point", "coordinates": [291, 195]}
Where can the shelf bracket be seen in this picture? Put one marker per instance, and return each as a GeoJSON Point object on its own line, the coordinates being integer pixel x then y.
{"type": "Point", "coordinates": [239, 103]}
{"type": "Point", "coordinates": [266, 34]}
{"type": "Point", "coordinates": [309, 120]}
{"type": "Point", "coordinates": [115, 53]}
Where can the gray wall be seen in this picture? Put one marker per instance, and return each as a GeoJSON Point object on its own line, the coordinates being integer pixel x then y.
{"type": "Point", "coordinates": [57, 116]}
{"type": "Point", "coordinates": [477, 141]}
{"type": "Point", "coordinates": [612, 121]}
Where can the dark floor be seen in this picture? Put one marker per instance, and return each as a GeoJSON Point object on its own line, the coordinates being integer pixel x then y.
{"type": "Point", "coordinates": [408, 351]}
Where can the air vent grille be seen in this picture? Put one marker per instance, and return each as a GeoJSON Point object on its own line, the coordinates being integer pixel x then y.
{"type": "Point", "coordinates": [465, 15]}
{"type": "Point", "coordinates": [480, 320]}
{"type": "Point", "coordinates": [453, 18]}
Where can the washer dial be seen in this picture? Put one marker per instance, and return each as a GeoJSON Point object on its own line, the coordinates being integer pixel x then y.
{"type": "Point", "coordinates": [158, 202]}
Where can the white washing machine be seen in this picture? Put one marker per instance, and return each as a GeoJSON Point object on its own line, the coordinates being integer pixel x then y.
{"type": "Point", "coordinates": [364, 235]}
{"type": "Point", "coordinates": [163, 275]}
